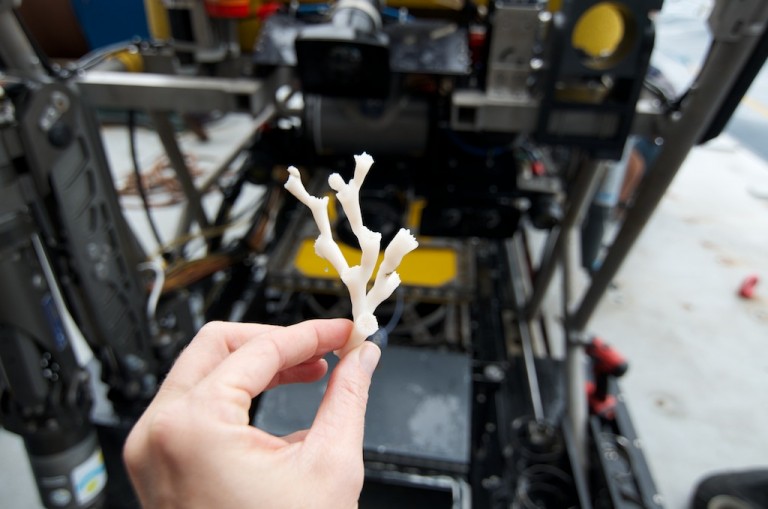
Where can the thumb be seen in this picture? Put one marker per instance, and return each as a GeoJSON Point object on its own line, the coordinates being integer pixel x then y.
{"type": "Point", "coordinates": [341, 416]}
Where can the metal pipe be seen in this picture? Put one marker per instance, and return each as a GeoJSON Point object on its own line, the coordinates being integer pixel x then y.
{"type": "Point", "coordinates": [712, 86]}
{"type": "Point", "coordinates": [15, 49]}
{"type": "Point", "coordinates": [263, 117]}
{"type": "Point", "coordinates": [513, 252]}
{"type": "Point", "coordinates": [576, 407]}
{"type": "Point", "coordinates": [583, 188]}
{"type": "Point", "coordinates": [168, 138]}
{"type": "Point", "coordinates": [181, 94]}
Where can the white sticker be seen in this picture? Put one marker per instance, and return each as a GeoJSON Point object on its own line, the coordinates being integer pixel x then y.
{"type": "Point", "coordinates": [89, 478]}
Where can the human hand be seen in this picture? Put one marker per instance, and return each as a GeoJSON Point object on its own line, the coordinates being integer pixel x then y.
{"type": "Point", "coordinates": [195, 448]}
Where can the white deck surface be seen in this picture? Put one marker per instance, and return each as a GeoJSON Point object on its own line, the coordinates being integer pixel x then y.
{"type": "Point", "coordinates": [698, 352]}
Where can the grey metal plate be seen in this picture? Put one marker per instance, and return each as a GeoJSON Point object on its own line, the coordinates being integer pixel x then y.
{"type": "Point", "coordinates": [418, 411]}
{"type": "Point", "coordinates": [423, 46]}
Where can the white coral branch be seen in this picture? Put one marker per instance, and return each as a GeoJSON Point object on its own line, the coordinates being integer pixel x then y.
{"type": "Point", "coordinates": [387, 280]}
{"type": "Point", "coordinates": [356, 278]}
{"type": "Point", "coordinates": [325, 247]}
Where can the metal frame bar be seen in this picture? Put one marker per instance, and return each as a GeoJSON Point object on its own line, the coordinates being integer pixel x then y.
{"type": "Point", "coordinates": [727, 56]}
{"type": "Point", "coordinates": [186, 220]}
{"type": "Point", "coordinates": [513, 252]}
{"type": "Point", "coordinates": [164, 92]}
{"type": "Point", "coordinates": [587, 179]}
{"type": "Point", "coordinates": [167, 136]}
{"type": "Point", "coordinates": [733, 44]}
{"type": "Point", "coordinates": [15, 49]}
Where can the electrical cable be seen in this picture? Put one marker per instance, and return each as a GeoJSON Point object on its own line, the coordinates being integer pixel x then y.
{"type": "Point", "coordinates": [666, 101]}
{"type": "Point", "coordinates": [397, 314]}
{"type": "Point", "coordinates": [231, 195]}
{"type": "Point", "coordinates": [53, 70]}
{"type": "Point", "coordinates": [157, 287]}
{"type": "Point", "coordinates": [97, 56]}
{"type": "Point", "coordinates": [139, 184]}
{"type": "Point", "coordinates": [241, 219]}
{"type": "Point", "coordinates": [381, 336]}
{"type": "Point", "coordinates": [189, 272]}
{"type": "Point", "coordinates": [475, 150]}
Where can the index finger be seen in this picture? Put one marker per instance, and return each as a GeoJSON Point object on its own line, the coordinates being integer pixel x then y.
{"type": "Point", "coordinates": [252, 367]}
{"type": "Point", "coordinates": [213, 343]}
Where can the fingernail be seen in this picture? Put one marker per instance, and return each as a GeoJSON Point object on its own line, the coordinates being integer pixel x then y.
{"type": "Point", "coordinates": [369, 357]}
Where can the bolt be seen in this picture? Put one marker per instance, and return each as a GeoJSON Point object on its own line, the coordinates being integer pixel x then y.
{"type": "Point", "coordinates": [101, 270]}
{"type": "Point", "coordinates": [134, 363]}
{"type": "Point", "coordinates": [493, 373]}
{"type": "Point", "coordinates": [149, 383]}
{"type": "Point", "coordinates": [491, 482]}
{"type": "Point", "coordinates": [60, 101]}
{"type": "Point", "coordinates": [93, 250]}
{"type": "Point", "coordinates": [37, 281]}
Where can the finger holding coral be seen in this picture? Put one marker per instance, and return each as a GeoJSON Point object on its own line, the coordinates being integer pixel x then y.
{"type": "Point", "coordinates": [365, 325]}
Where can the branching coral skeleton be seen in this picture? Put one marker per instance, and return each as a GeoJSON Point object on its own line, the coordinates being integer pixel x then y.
{"type": "Point", "coordinates": [355, 278]}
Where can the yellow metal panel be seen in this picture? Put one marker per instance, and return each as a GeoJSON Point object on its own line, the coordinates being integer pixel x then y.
{"type": "Point", "coordinates": [414, 213]}
{"type": "Point", "coordinates": [554, 5]}
{"type": "Point", "coordinates": [427, 266]}
{"type": "Point", "coordinates": [157, 19]}
{"type": "Point", "coordinates": [133, 62]}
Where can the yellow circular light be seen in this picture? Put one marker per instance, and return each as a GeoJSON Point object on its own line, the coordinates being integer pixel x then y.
{"type": "Point", "coordinates": [599, 33]}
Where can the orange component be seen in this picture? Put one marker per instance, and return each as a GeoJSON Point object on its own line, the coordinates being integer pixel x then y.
{"type": "Point", "coordinates": [228, 8]}
{"type": "Point", "coordinates": [606, 359]}
{"type": "Point", "coordinates": [748, 287]}
{"type": "Point", "coordinates": [476, 43]}
{"type": "Point", "coordinates": [602, 405]}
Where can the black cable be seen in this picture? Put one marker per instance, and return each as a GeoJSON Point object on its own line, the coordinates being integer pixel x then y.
{"type": "Point", "coordinates": [398, 312]}
{"type": "Point", "coordinates": [666, 101]}
{"type": "Point", "coordinates": [137, 174]}
{"type": "Point", "coordinates": [231, 195]}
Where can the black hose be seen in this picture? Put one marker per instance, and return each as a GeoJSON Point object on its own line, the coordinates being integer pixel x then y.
{"type": "Point", "coordinates": [137, 174]}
